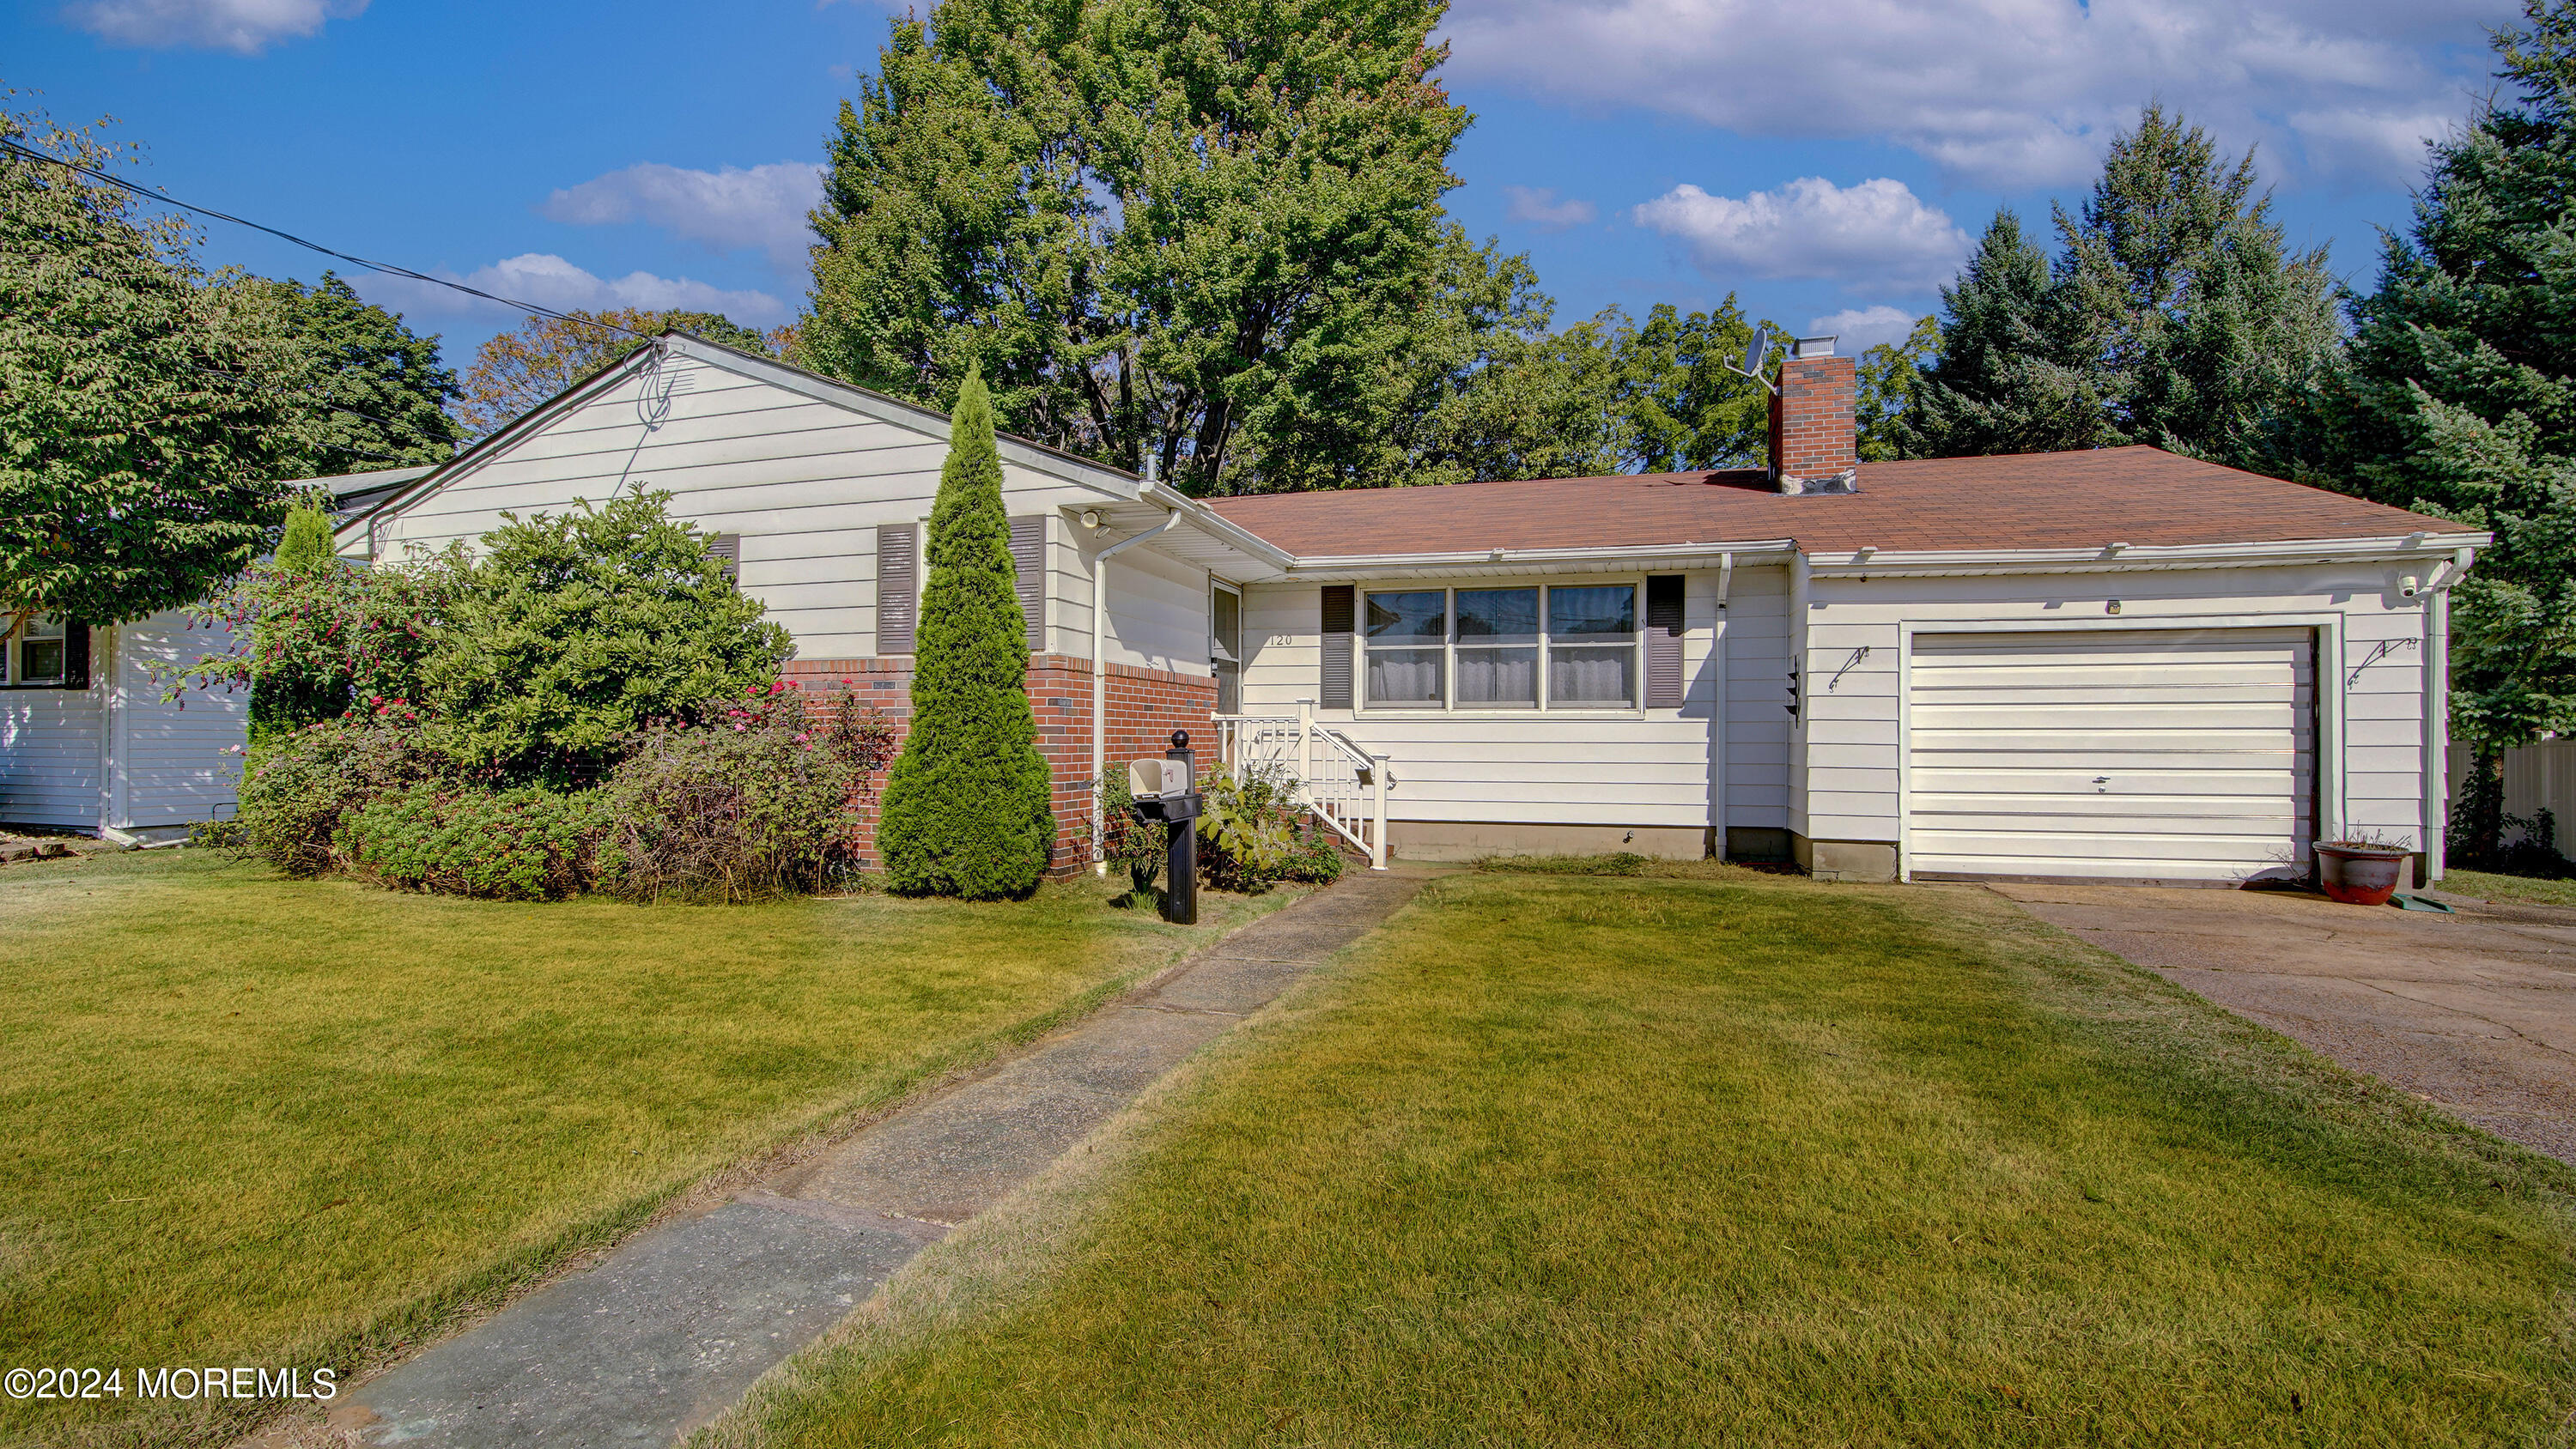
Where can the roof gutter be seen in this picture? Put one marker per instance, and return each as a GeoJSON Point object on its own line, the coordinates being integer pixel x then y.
{"type": "Point", "coordinates": [1680, 555]}
{"type": "Point", "coordinates": [2122, 557]}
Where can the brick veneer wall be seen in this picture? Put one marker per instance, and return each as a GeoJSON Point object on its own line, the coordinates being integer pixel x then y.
{"type": "Point", "coordinates": [1145, 706]}
{"type": "Point", "coordinates": [1814, 425]}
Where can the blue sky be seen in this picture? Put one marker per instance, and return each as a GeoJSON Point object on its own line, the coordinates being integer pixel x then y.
{"type": "Point", "coordinates": [1826, 161]}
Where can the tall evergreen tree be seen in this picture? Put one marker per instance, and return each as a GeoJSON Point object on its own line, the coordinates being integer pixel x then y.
{"type": "Point", "coordinates": [1210, 233]}
{"type": "Point", "coordinates": [2175, 313]}
{"type": "Point", "coordinates": [2459, 393]}
{"type": "Point", "coordinates": [2012, 375]}
{"type": "Point", "coordinates": [2183, 293]}
{"type": "Point", "coordinates": [966, 802]}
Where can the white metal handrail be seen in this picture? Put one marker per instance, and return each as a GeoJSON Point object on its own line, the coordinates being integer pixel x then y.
{"type": "Point", "coordinates": [1342, 784]}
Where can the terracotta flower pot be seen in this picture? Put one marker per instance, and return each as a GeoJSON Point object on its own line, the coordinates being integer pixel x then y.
{"type": "Point", "coordinates": [2358, 875]}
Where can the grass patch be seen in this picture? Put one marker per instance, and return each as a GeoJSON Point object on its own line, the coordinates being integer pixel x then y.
{"type": "Point", "coordinates": [259, 1121]}
{"type": "Point", "coordinates": [2525, 889]}
{"type": "Point", "coordinates": [1700, 1157]}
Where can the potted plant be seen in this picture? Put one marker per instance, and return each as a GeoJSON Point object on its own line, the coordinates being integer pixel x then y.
{"type": "Point", "coordinates": [2360, 869]}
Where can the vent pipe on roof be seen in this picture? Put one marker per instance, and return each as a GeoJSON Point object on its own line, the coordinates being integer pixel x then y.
{"type": "Point", "coordinates": [1815, 432]}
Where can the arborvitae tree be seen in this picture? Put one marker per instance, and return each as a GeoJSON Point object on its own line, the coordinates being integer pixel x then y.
{"type": "Point", "coordinates": [966, 802]}
{"type": "Point", "coordinates": [2458, 396]}
{"type": "Point", "coordinates": [2011, 376]}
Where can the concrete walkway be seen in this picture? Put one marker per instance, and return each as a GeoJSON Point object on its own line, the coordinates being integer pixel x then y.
{"type": "Point", "coordinates": [672, 1328]}
{"type": "Point", "coordinates": [2475, 1012]}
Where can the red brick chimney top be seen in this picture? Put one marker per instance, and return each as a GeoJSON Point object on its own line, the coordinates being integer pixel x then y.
{"type": "Point", "coordinates": [1815, 445]}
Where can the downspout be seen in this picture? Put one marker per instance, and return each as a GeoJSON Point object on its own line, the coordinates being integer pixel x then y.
{"type": "Point", "coordinates": [2437, 715]}
{"type": "Point", "coordinates": [1800, 570]}
{"type": "Point", "coordinates": [1100, 675]}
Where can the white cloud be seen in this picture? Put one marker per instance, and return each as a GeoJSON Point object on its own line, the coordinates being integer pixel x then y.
{"type": "Point", "coordinates": [1862, 328]}
{"type": "Point", "coordinates": [244, 27]}
{"type": "Point", "coordinates": [1877, 235]}
{"type": "Point", "coordinates": [2008, 92]}
{"type": "Point", "coordinates": [737, 207]}
{"type": "Point", "coordinates": [1538, 206]}
{"type": "Point", "coordinates": [550, 281]}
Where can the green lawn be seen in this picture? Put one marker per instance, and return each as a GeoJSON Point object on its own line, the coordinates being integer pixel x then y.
{"type": "Point", "coordinates": [257, 1121]}
{"type": "Point", "coordinates": [1703, 1157]}
{"type": "Point", "coordinates": [2527, 889]}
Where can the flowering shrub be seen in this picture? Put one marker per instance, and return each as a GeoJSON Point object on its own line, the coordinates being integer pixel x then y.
{"type": "Point", "coordinates": [294, 801]}
{"type": "Point", "coordinates": [308, 643]}
{"type": "Point", "coordinates": [528, 844]}
{"type": "Point", "coordinates": [760, 800]}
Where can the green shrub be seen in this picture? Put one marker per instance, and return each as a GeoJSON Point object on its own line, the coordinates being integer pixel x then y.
{"type": "Point", "coordinates": [565, 634]}
{"type": "Point", "coordinates": [528, 844]}
{"type": "Point", "coordinates": [966, 802]}
{"type": "Point", "coordinates": [760, 801]}
{"type": "Point", "coordinates": [1138, 847]}
{"type": "Point", "coordinates": [1252, 836]}
{"type": "Point", "coordinates": [294, 800]}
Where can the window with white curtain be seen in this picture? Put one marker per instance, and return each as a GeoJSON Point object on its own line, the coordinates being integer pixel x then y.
{"type": "Point", "coordinates": [1556, 646]}
{"type": "Point", "coordinates": [39, 653]}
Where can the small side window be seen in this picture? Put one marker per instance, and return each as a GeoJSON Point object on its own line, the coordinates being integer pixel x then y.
{"type": "Point", "coordinates": [41, 647]}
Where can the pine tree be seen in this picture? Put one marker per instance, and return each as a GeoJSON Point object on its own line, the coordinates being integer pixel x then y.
{"type": "Point", "coordinates": [2206, 331]}
{"type": "Point", "coordinates": [2010, 377]}
{"type": "Point", "coordinates": [2458, 396]}
{"type": "Point", "coordinates": [966, 802]}
{"type": "Point", "coordinates": [2175, 313]}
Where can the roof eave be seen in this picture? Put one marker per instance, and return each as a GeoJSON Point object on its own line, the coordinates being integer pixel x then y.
{"type": "Point", "coordinates": [2428, 546]}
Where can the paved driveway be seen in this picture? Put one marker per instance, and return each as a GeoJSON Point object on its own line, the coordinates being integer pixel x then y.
{"type": "Point", "coordinates": [2475, 1013]}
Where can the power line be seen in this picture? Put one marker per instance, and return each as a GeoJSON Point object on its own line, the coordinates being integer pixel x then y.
{"type": "Point", "coordinates": [387, 268]}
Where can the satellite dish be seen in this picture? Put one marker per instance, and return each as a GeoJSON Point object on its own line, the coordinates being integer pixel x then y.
{"type": "Point", "coordinates": [1756, 350]}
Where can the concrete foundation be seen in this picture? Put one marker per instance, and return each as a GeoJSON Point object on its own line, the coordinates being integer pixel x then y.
{"type": "Point", "coordinates": [1475, 839]}
{"type": "Point", "coordinates": [1757, 843]}
{"type": "Point", "coordinates": [1853, 860]}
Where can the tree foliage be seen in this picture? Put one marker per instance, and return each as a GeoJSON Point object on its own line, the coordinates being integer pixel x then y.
{"type": "Point", "coordinates": [143, 458]}
{"type": "Point", "coordinates": [2174, 313]}
{"type": "Point", "coordinates": [514, 372]}
{"type": "Point", "coordinates": [374, 392]}
{"type": "Point", "coordinates": [1210, 232]}
{"type": "Point", "coordinates": [966, 802]}
{"type": "Point", "coordinates": [2458, 397]}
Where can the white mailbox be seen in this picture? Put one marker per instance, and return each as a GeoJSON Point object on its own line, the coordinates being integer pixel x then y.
{"type": "Point", "coordinates": [1157, 779]}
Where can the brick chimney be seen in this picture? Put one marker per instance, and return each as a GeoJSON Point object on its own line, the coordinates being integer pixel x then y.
{"type": "Point", "coordinates": [1814, 439]}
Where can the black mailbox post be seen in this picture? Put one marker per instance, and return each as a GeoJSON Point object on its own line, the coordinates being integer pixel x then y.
{"type": "Point", "coordinates": [1175, 805]}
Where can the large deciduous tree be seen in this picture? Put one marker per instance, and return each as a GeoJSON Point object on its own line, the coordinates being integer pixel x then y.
{"type": "Point", "coordinates": [1208, 233]}
{"type": "Point", "coordinates": [966, 802]}
{"type": "Point", "coordinates": [143, 455]}
{"type": "Point", "coordinates": [2175, 313]}
{"type": "Point", "coordinates": [376, 391]}
{"type": "Point", "coordinates": [2459, 393]}
{"type": "Point", "coordinates": [515, 371]}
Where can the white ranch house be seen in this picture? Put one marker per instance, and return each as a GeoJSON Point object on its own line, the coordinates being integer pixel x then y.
{"type": "Point", "coordinates": [2114, 665]}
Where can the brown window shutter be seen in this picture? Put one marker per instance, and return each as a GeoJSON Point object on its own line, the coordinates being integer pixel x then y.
{"type": "Point", "coordinates": [1338, 611]}
{"type": "Point", "coordinates": [898, 586]}
{"type": "Point", "coordinates": [1028, 562]}
{"type": "Point", "coordinates": [75, 654]}
{"type": "Point", "coordinates": [1664, 641]}
{"type": "Point", "coordinates": [726, 549]}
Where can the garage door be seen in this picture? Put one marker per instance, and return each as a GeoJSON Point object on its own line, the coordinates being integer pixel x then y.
{"type": "Point", "coordinates": [2140, 754]}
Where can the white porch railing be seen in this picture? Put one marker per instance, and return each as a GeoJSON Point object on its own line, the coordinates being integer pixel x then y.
{"type": "Point", "coordinates": [1344, 785]}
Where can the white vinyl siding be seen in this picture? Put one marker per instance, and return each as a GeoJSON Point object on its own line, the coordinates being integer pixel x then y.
{"type": "Point", "coordinates": [176, 757]}
{"type": "Point", "coordinates": [49, 757]}
{"type": "Point", "coordinates": [803, 482]}
{"type": "Point", "coordinates": [2182, 754]}
{"type": "Point", "coordinates": [1654, 767]}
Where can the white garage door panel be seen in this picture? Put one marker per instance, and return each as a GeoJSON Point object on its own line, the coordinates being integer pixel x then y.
{"type": "Point", "coordinates": [2153, 754]}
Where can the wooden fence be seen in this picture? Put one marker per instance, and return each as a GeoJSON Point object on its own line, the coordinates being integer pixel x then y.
{"type": "Point", "coordinates": [2535, 777]}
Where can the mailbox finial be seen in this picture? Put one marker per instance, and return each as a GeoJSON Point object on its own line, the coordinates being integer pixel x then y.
{"type": "Point", "coordinates": [1180, 739]}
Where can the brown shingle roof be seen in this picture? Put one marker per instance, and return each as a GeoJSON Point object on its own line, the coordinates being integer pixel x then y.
{"type": "Point", "coordinates": [2139, 495]}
